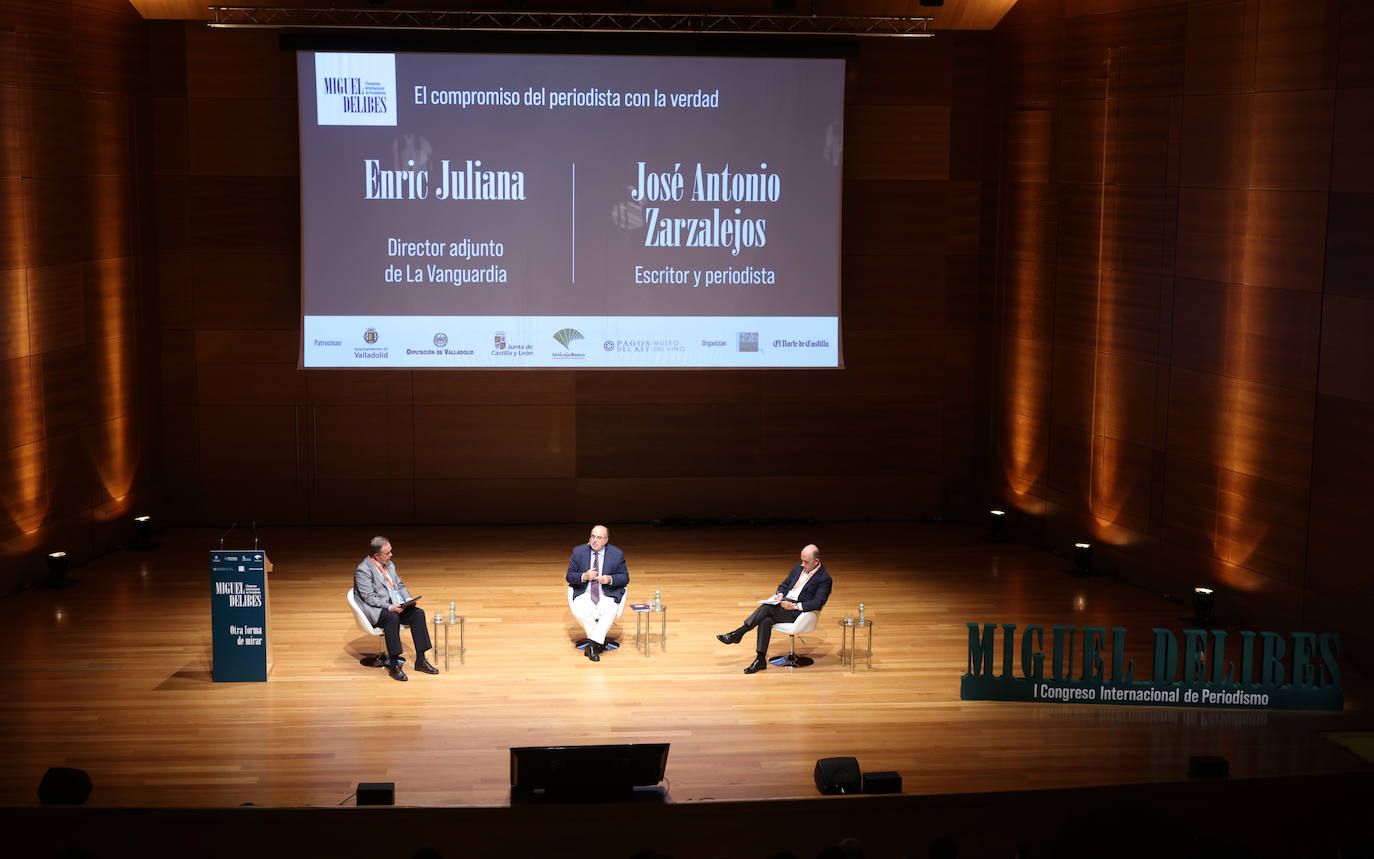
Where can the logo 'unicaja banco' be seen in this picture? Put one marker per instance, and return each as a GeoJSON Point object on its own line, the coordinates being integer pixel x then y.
{"type": "Point", "coordinates": [567, 335]}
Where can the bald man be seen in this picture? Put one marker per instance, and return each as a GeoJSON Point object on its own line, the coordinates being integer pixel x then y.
{"type": "Point", "coordinates": [806, 588]}
{"type": "Point", "coordinates": [597, 575]}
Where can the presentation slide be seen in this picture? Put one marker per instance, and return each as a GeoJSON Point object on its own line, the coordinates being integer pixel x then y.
{"type": "Point", "coordinates": [500, 210]}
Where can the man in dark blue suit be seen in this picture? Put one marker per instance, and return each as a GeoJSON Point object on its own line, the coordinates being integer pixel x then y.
{"type": "Point", "coordinates": [597, 575]}
{"type": "Point", "coordinates": [806, 588]}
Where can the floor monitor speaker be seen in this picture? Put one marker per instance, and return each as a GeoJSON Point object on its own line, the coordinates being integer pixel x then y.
{"type": "Point", "coordinates": [837, 775]}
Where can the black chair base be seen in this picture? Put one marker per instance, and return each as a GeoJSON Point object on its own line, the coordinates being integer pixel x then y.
{"type": "Point", "coordinates": [380, 660]}
{"type": "Point", "coordinates": [611, 644]}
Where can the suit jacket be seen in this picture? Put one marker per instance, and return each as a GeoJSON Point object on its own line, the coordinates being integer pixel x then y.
{"type": "Point", "coordinates": [612, 564]}
{"type": "Point", "coordinates": [370, 587]}
{"type": "Point", "coordinates": [816, 592]}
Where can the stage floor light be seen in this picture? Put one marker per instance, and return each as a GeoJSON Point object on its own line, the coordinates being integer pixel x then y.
{"type": "Point", "coordinates": [1083, 558]}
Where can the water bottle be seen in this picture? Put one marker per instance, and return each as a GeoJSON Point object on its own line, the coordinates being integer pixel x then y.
{"type": "Point", "coordinates": [452, 615]}
{"type": "Point", "coordinates": [861, 614]}
{"type": "Point", "coordinates": [658, 601]}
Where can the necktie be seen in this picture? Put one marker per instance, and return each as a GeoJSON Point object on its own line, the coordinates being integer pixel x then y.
{"type": "Point", "coordinates": [596, 585]}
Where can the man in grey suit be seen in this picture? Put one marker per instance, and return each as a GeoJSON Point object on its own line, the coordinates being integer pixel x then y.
{"type": "Point", "coordinates": [382, 595]}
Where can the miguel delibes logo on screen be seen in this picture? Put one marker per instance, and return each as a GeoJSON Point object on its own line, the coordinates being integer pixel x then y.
{"type": "Point", "coordinates": [355, 89]}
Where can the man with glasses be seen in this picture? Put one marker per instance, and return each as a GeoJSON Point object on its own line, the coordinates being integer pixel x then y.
{"type": "Point", "coordinates": [383, 597]}
{"type": "Point", "coordinates": [597, 575]}
{"type": "Point", "coordinates": [806, 588]}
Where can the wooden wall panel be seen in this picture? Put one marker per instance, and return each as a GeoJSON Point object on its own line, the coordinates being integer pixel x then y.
{"type": "Point", "coordinates": [1036, 52]}
{"type": "Point", "coordinates": [109, 49]}
{"type": "Point", "coordinates": [228, 347]}
{"type": "Point", "coordinates": [514, 500]}
{"type": "Point", "coordinates": [1083, 211]}
{"type": "Point", "coordinates": [244, 291]}
{"type": "Point", "coordinates": [889, 218]}
{"type": "Point", "coordinates": [1083, 124]}
{"type": "Point", "coordinates": [364, 443]}
{"type": "Point", "coordinates": [1242, 426]}
{"type": "Point", "coordinates": [249, 385]}
{"type": "Point", "coordinates": [1263, 335]}
{"type": "Point", "coordinates": [1292, 140]}
{"type": "Point", "coordinates": [235, 64]}
{"type": "Point", "coordinates": [375, 390]}
{"type": "Point", "coordinates": [1219, 47]}
{"type": "Point", "coordinates": [1071, 389]}
{"type": "Point", "coordinates": [1119, 316]}
{"type": "Point", "coordinates": [14, 314]}
{"type": "Point", "coordinates": [1263, 238]}
{"type": "Point", "coordinates": [364, 501]}
{"type": "Point", "coordinates": [51, 114]}
{"type": "Point", "coordinates": [250, 213]}
{"type": "Point", "coordinates": [499, 442]}
{"type": "Point", "coordinates": [45, 32]}
{"type": "Point", "coordinates": [887, 68]}
{"type": "Point", "coordinates": [1351, 167]}
{"type": "Point", "coordinates": [1028, 306]}
{"type": "Point", "coordinates": [905, 294]}
{"type": "Point", "coordinates": [1144, 129]}
{"type": "Point", "coordinates": [19, 426]}
{"type": "Point", "coordinates": [57, 307]}
{"type": "Point", "coordinates": [1350, 245]}
{"type": "Point", "coordinates": [243, 444]}
{"type": "Point", "coordinates": [242, 136]}
{"type": "Point", "coordinates": [496, 388]}
{"type": "Point", "coordinates": [107, 133]}
{"type": "Point", "coordinates": [1347, 348]}
{"type": "Point", "coordinates": [895, 142]}
{"type": "Point", "coordinates": [1030, 221]}
{"type": "Point", "coordinates": [1140, 228]}
{"type": "Point", "coordinates": [1298, 45]}
{"type": "Point", "coordinates": [1142, 42]}
{"type": "Point", "coordinates": [67, 477]}
{"type": "Point", "coordinates": [1027, 362]}
{"type": "Point", "coordinates": [171, 125]}
{"type": "Point", "coordinates": [57, 228]}
{"type": "Point", "coordinates": [1356, 66]}
{"type": "Point", "coordinates": [1028, 143]}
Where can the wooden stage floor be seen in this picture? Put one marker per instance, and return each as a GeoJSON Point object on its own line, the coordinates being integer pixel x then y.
{"type": "Point", "coordinates": [113, 675]}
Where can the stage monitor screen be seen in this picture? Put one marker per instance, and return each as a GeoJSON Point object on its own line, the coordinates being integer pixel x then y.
{"type": "Point", "coordinates": [581, 769]}
{"type": "Point", "coordinates": [500, 210]}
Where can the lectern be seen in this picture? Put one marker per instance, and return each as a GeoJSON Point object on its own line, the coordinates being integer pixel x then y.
{"type": "Point", "coordinates": [238, 602]}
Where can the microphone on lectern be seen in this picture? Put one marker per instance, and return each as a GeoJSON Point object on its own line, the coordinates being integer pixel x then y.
{"type": "Point", "coordinates": [226, 534]}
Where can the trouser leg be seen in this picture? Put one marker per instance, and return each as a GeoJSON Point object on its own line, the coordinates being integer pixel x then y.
{"type": "Point", "coordinates": [390, 622]}
{"type": "Point", "coordinates": [414, 617]}
{"type": "Point", "coordinates": [763, 618]}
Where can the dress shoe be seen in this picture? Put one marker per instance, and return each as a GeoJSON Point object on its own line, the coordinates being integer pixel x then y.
{"type": "Point", "coordinates": [759, 664]}
{"type": "Point", "coordinates": [729, 638]}
{"type": "Point", "coordinates": [394, 669]}
{"type": "Point", "coordinates": [423, 664]}
{"type": "Point", "coordinates": [593, 651]}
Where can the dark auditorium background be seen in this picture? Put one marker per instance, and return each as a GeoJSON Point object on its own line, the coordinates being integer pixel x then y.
{"type": "Point", "coordinates": [1106, 263]}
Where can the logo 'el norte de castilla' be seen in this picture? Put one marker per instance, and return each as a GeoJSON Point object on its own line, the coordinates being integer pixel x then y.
{"type": "Point", "coordinates": [1295, 672]}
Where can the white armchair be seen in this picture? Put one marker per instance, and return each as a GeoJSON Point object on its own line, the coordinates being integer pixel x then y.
{"type": "Point", "coordinates": [805, 622]}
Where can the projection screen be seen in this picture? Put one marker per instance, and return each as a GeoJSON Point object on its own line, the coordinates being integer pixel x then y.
{"type": "Point", "coordinates": [500, 210]}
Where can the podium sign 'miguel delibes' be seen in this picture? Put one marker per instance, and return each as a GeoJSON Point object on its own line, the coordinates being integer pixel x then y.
{"type": "Point", "coordinates": [1236, 671]}
{"type": "Point", "coordinates": [238, 600]}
